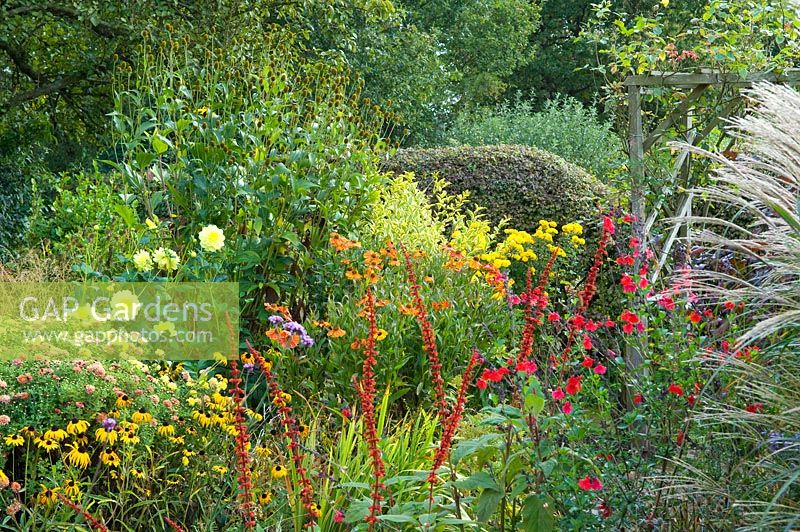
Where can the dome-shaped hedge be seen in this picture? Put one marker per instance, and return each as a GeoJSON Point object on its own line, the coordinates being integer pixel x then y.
{"type": "Point", "coordinates": [520, 183]}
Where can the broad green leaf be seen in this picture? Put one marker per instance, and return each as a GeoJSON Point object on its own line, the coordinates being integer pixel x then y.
{"type": "Point", "coordinates": [537, 514]}
{"type": "Point", "coordinates": [487, 504]}
{"type": "Point", "coordinates": [479, 480]}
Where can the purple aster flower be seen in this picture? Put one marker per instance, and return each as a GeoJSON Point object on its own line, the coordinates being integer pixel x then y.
{"type": "Point", "coordinates": [109, 423]}
{"type": "Point", "coordinates": [275, 320]}
{"type": "Point", "coordinates": [294, 327]}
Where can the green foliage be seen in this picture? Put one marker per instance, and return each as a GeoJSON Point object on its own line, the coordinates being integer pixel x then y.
{"type": "Point", "coordinates": [564, 127]}
{"type": "Point", "coordinates": [272, 147]}
{"type": "Point", "coordinates": [518, 183]}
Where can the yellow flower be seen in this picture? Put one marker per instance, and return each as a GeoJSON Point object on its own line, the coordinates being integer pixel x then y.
{"type": "Point", "coordinates": [166, 430]}
{"type": "Point", "coordinates": [263, 450]}
{"type": "Point", "coordinates": [47, 495]}
{"type": "Point", "coordinates": [135, 473]}
{"type": "Point", "coordinates": [665, 3]}
{"type": "Point", "coordinates": [143, 261]}
{"type": "Point", "coordinates": [279, 471]}
{"type": "Point", "coordinates": [202, 418]}
{"type": "Point", "coordinates": [247, 358]}
{"type": "Point", "coordinates": [47, 444]}
{"type": "Point", "coordinates": [151, 224]}
{"type": "Point", "coordinates": [56, 434]}
{"type": "Point", "coordinates": [123, 401]}
{"type": "Point", "coordinates": [77, 426]}
{"type": "Point", "coordinates": [303, 430]}
{"type": "Point", "coordinates": [4, 481]}
{"type": "Point", "coordinates": [315, 509]}
{"type": "Point", "coordinates": [142, 416]}
{"type": "Point", "coordinates": [71, 488]}
{"type": "Point", "coordinates": [14, 440]}
{"type": "Point", "coordinates": [265, 498]}
{"type": "Point", "coordinates": [77, 456]}
{"type": "Point", "coordinates": [382, 334]}
{"type": "Point", "coordinates": [282, 399]}
{"type": "Point", "coordinates": [106, 436]}
{"type": "Point", "coordinates": [129, 436]}
{"type": "Point", "coordinates": [211, 238]}
{"type": "Point", "coordinates": [110, 458]}
{"type": "Point", "coordinates": [220, 469]}
{"type": "Point", "coordinates": [166, 259]}
{"type": "Point", "coordinates": [219, 358]}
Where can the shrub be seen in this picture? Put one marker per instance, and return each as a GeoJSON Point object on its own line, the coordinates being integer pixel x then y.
{"type": "Point", "coordinates": [565, 127]}
{"type": "Point", "coordinates": [519, 183]}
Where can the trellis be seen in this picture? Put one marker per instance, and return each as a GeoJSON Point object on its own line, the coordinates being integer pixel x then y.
{"type": "Point", "coordinates": [683, 115]}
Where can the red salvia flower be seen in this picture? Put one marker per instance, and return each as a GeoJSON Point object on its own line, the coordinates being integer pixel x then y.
{"type": "Point", "coordinates": [92, 520]}
{"type": "Point", "coordinates": [173, 525]}
{"type": "Point", "coordinates": [451, 425]}
{"type": "Point", "coordinates": [290, 432]}
{"type": "Point", "coordinates": [428, 336]}
{"type": "Point", "coordinates": [366, 392]}
{"type": "Point", "coordinates": [246, 504]}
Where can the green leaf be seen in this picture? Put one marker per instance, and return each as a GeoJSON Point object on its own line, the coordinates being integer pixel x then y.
{"type": "Point", "coordinates": [399, 518]}
{"type": "Point", "coordinates": [487, 504]}
{"type": "Point", "coordinates": [127, 214]}
{"type": "Point", "coordinates": [469, 447]}
{"type": "Point", "coordinates": [537, 514]}
{"type": "Point", "coordinates": [159, 143]}
{"type": "Point", "coordinates": [534, 403]}
{"type": "Point", "coordinates": [479, 480]}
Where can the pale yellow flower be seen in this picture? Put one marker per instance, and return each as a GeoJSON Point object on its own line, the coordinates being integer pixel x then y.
{"type": "Point", "coordinates": [211, 238]}
{"type": "Point", "coordinates": [143, 260]}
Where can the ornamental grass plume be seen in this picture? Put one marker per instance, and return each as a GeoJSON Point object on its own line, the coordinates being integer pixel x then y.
{"type": "Point", "coordinates": [366, 393]}
{"type": "Point", "coordinates": [428, 336]}
{"type": "Point", "coordinates": [93, 521]}
{"type": "Point", "coordinates": [291, 433]}
{"type": "Point", "coordinates": [760, 184]}
{"type": "Point", "coordinates": [246, 504]}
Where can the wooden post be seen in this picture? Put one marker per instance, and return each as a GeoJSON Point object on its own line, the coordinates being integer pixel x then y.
{"type": "Point", "coordinates": [633, 352]}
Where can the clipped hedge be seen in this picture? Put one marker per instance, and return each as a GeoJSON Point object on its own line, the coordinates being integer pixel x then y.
{"type": "Point", "coordinates": [520, 183]}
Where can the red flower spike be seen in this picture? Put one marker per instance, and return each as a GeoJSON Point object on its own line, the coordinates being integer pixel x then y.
{"type": "Point", "coordinates": [92, 520]}
{"type": "Point", "coordinates": [290, 432]}
{"type": "Point", "coordinates": [246, 504]}
{"type": "Point", "coordinates": [428, 336]}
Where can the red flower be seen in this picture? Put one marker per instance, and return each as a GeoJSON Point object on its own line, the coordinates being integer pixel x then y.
{"type": "Point", "coordinates": [730, 305]}
{"type": "Point", "coordinates": [643, 282]}
{"type": "Point", "coordinates": [566, 408]}
{"type": "Point", "coordinates": [600, 369]}
{"type": "Point", "coordinates": [627, 283]}
{"type": "Point", "coordinates": [679, 439]}
{"type": "Point", "coordinates": [588, 483]}
{"type": "Point", "coordinates": [626, 260]}
{"type": "Point", "coordinates": [553, 316]}
{"type": "Point", "coordinates": [608, 225]}
{"type": "Point", "coordinates": [638, 399]}
{"type": "Point", "coordinates": [666, 302]}
{"type": "Point", "coordinates": [629, 218]}
{"type": "Point", "coordinates": [754, 408]}
{"type": "Point", "coordinates": [574, 384]}
{"type": "Point", "coordinates": [527, 366]}
{"type": "Point", "coordinates": [675, 389]}
{"type": "Point", "coordinates": [481, 384]}
{"type": "Point", "coordinates": [588, 362]}
{"type": "Point", "coordinates": [338, 517]}
{"type": "Point", "coordinates": [604, 509]}
{"type": "Point", "coordinates": [557, 394]}
{"type": "Point", "coordinates": [587, 343]}
{"type": "Point", "coordinates": [691, 399]}
{"type": "Point", "coordinates": [694, 317]}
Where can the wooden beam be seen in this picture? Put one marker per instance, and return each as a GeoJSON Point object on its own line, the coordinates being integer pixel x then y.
{"type": "Point", "coordinates": [687, 79]}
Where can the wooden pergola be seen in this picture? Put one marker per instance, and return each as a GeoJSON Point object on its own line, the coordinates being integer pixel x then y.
{"type": "Point", "coordinates": [697, 84]}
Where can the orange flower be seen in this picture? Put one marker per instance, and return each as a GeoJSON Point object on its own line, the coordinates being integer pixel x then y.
{"type": "Point", "coordinates": [372, 259]}
{"type": "Point", "coordinates": [279, 309]}
{"type": "Point", "coordinates": [428, 279]}
{"type": "Point", "coordinates": [371, 277]}
{"type": "Point", "coordinates": [336, 333]}
{"type": "Point", "coordinates": [340, 243]}
{"type": "Point", "coordinates": [284, 338]}
{"type": "Point", "coordinates": [439, 305]}
{"type": "Point", "coordinates": [357, 344]}
{"type": "Point", "coordinates": [407, 310]}
{"type": "Point", "coordinates": [352, 275]}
